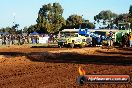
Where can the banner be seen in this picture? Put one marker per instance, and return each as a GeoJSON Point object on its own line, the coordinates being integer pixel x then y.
{"type": "Point", "coordinates": [43, 40]}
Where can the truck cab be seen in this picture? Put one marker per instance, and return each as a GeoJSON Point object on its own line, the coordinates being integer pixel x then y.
{"type": "Point", "coordinates": [72, 40]}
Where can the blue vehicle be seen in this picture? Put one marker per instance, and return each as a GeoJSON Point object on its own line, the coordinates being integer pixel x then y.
{"type": "Point", "coordinates": [97, 36]}
{"type": "Point", "coordinates": [86, 33]}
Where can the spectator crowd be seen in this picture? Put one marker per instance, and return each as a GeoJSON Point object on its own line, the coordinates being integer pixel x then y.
{"type": "Point", "coordinates": [18, 39]}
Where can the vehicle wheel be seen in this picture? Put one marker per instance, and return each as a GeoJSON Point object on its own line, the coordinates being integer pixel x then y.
{"type": "Point", "coordinates": [59, 46]}
{"type": "Point", "coordinates": [82, 45]}
{"type": "Point", "coordinates": [72, 45]}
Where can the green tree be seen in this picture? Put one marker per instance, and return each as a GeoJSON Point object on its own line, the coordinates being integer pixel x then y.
{"type": "Point", "coordinates": [121, 18]}
{"type": "Point", "coordinates": [76, 21]}
{"type": "Point", "coordinates": [5, 30]}
{"type": "Point", "coordinates": [50, 18]}
{"type": "Point", "coordinates": [14, 29]}
{"type": "Point", "coordinates": [125, 17]}
{"type": "Point", "coordinates": [87, 24]}
{"type": "Point", "coordinates": [32, 28]}
{"type": "Point", "coordinates": [105, 17]}
{"type": "Point", "coordinates": [130, 10]}
{"type": "Point", "coordinates": [130, 15]}
{"type": "Point", "coordinates": [25, 29]}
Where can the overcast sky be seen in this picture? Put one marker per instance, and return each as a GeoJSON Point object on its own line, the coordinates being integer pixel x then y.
{"type": "Point", "coordinates": [25, 11]}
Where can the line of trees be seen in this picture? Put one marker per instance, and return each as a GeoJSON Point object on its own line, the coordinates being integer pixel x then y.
{"type": "Point", "coordinates": [50, 20]}
{"type": "Point", "coordinates": [111, 19]}
{"type": "Point", "coordinates": [11, 30]}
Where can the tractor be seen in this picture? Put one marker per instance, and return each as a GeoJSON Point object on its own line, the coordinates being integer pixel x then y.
{"type": "Point", "coordinates": [122, 35]}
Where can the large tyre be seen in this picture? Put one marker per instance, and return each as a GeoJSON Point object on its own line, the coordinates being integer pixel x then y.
{"type": "Point", "coordinates": [88, 40]}
{"type": "Point", "coordinates": [72, 45]}
{"type": "Point", "coordinates": [60, 45]}
{"type": "Point", "coordinates": [82, 45]}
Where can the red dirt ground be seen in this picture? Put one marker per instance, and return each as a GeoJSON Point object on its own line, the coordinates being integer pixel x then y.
{"type": "Point", "coordinates": [25, 67]}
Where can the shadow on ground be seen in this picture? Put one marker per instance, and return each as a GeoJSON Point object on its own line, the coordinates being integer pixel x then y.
{"type": "Point", "coordinates": [44, 46]}
{"type": "Point", "coordinates": [72, 57]}
{"type": "Point", "coordinates": [13, 54]}
{"type": "Point", "coordinates": [121, 53]}
{"type": "Point", "coordinates": [66, 57]}
{"type": "Point", "coordinates": [125, 49]}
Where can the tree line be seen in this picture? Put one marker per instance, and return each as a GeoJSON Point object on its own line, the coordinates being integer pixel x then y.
{"type": "Point", "coordinates": [50, 20]}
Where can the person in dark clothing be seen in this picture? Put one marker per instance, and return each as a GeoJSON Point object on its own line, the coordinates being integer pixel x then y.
{"type": "Point", "coordinates": [12, 39]}
{"type": "Point", "coordinates": [4, 40]}
{"type": "Point", "coordinates": [125, 40]}
{"type": "Point", "coordinates": [19, 39]}
{"type": "Point", "coordinates": [93, 41]}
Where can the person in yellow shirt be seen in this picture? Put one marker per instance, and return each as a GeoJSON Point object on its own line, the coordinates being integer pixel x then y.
{"type": "Point", "coordinates": [130, 38]}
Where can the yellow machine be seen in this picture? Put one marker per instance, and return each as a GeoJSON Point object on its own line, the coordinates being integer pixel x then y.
{"type": "Point", "coordinates": [72, 39]}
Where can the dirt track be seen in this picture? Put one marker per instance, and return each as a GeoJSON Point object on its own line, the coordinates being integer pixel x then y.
{"type": "Point", "coordinates": [58, 68]}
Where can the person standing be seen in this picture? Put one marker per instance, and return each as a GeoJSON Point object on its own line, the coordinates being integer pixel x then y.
{"type": "Point", "coordinates": [110, 38]}
{"type": "Point", "coordinates": [4, 39]}
{"type": "Point", "coordinates": [19, 39]}
{"type": "Point", "coordinates": [12, 39]}
{"type": "Point", "coordinates": [93, 41]}
{"type": "Point", "coordinates": [125, 40]}
{"type": "Point", "coordinates": [28, 38]}
{"type": "Point", "coordinates": [130, 38]}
